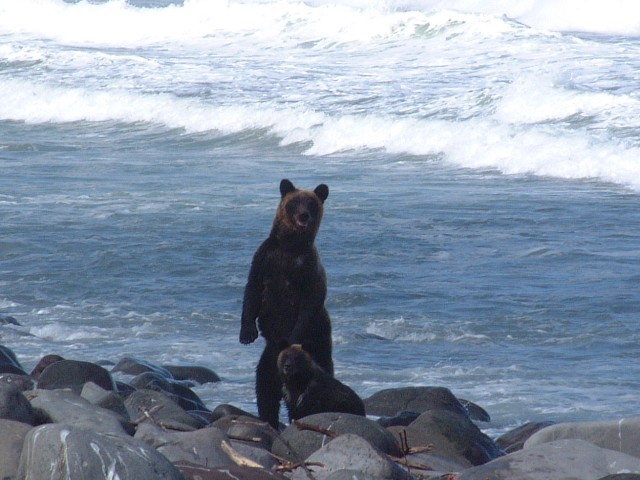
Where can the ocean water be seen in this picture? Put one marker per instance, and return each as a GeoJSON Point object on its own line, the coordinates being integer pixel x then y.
{"type": "Point", "coordinates": [482, 230]}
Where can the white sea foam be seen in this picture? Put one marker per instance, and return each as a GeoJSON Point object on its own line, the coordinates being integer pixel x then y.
{"type": "Point", "coordinates": [118, 23]}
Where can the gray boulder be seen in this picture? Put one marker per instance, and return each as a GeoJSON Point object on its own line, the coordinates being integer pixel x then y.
{"type": "Point", "coordinates": [14, 405]}
{"type": "Point", "coordinates": [9, 362]}
{"type": "Point", "coordinates": [232, 472]}
{"type": "Point", "coordinates": [65, 406]}
{"type": "Point", "coordinates": [452, 436]}
{"type": "Point", "coordinates": [11, 441]}
{"type": "Point", "coordinates": [108, 399]}
{"type": "Point", "coordinates": [351, 452]}
{"type": "Point", "coordinates": [62, 452]}
{"type": "Point", "coordinates": [413, 399]}
{"type": "Point", "coordinates": [199, 447]}
{"type": "Point", "coordinates": [21, 382]}
{"type": "Point", "coordinates": [193, 373]}
{"type": "Point", "coordinates": [74, 374]}
{"type": "Point", "coordinates": [135, 366]}
{"type": "Point", "coordinates": [250, 430]}
{"type": "Point", "coordinates": [513, 440]}
{"type": "Point", "coordinates": [157, 407]}
{"type": "Point", "coordinates": [177, 391]}
{"type": "Point", "coordinates": [559, 460]}
{"type": "Point", "coordinates": [296, 444]}
{"type": "Point", "coordinates": [619, 435]}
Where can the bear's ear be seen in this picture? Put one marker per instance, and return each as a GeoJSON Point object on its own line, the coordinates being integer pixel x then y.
{"type": "Point", "coordinates": [286, 187]}
{"type": "Point", "coordinates": [322, 191]}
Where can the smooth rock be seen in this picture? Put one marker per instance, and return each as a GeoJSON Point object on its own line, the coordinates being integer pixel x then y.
{"type": "Point", "coordinates": [178, 392]}
{"type": "Point", "coordinates": [452, 435]}
{"type": "Point", "coordinates": [74, 374]}
{"type": "Point", "coordinates": [351, 452]}
{"type": "Point", "coordinates": [295, 444]}
{"type": "Point", "coordinates": [559, 460]}
{"type": "Point", "coordinates": [401, 419]}
{"type": "Point", "coordinates": [413, 399]}
{"type": "Point", "coordinates": [14, 405]}
{"type": "Point", "coordinates": [513, 440]}
{"type": "Point", "coordinates": [108, 399]}
{"type": "Point", "coordinates": [135, 366]}
{"type": "Point", "coordinates": [20, 381]}
{"type": "Point", "coordinates": [65, 406]}
{"type": "Point", "coordinates": [225, 409]}
{"type": "Point", "coordinates": [9, 362]}
{"type": "Point", "coordinates": [250, 430]}
{"type": "Point", "coordinates": [62, 452]}
{"type": "Point", "coordinates": [194, 373]}
{"type": "Point", "coordinates": [157, 407]}
{"type": "Point", "coordinates": [198, 472]}
{"type": "Point", "coordinates": [8, 320]}
{"type": "Point", "coordinates": [43, 363]}
{"type": "Point", "coordinates": [11, 440]}
{"type": "Point", "coordinates": [619, 435]}
{"type": "Point", "coordinates": [199, 447]}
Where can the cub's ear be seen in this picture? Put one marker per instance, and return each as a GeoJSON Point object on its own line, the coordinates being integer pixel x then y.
{"type": "Point", "coordinates": [286, 187]}
{"type": "Point", "coordinates": [322, 191]}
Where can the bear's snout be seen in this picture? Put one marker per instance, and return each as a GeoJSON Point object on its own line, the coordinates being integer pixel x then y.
{"type": "Point", "coordinates": [303, 219]}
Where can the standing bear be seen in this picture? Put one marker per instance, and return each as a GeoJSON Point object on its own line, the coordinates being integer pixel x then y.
{"type": "Point", "coordinates": [286, 291]}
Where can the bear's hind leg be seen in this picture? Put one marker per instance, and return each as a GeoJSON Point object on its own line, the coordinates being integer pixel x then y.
{"type": "Point", "coordinates": [269, 387]}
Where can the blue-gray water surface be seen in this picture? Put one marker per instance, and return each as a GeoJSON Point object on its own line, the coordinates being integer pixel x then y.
{"type": "Point", "coordinates": [482, 230]}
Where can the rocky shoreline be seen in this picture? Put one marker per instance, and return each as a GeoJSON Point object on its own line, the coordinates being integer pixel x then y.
{"type": "Point", "coordinates": [70, 419]}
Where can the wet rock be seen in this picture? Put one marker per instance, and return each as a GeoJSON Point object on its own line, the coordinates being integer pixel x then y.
{"type": "Point", "coordinates": [61, 452]}
{"type": "Point", "coordinates": [74, 374]}
{"type": "Point", "coordinates": [193, 373]}
{"type": "Point", "coordinates": [135, 366]}
{"type": "Point", "coordinates": [452, 435]}
{"type": "Point", "coordinates": [157, 407]}
{"type": "Point", "coordinates": [198, 472]}
{"type": "Point", "coordinates": [181, 394]}
{"type": "Point", "coordinates": [200, 447]}
{"type": "Point", "coordinates": [400, 419]}
{"type": "Point", "coordinates": [296, 444]}
{"type": "Point", "coordinates": [250, 430]}
{"type": "Point", "coordinates": [476, 412]}
{"type": "Point", "coordinates": [108, 399]}
{"type": "Point", "coordinates": [513, 440]}
{"type": "Point", "coordinates": [9, 362]}
{"type": "Point", "coordinates": [620, 435]}
{"type": "Point", "coordinates": [44, 363]}
{"type": "Point", "coordinates": [351, 452]}
{"type": "Point", "coordinates": [413, 399]}
{"type": "Point", "coordinates": [225, 409]}
{"type": "Point", "coordinates": [8, 320]}
{"type": "Point", "coordinates": [64, 406]}
{"type": "Point", "coordinates": [14, 405]}
{"type": "Point", "coordinates": [561, 459]}
{"type": "Point", "coordinates": [21, 382]}
{"type": "Point", "coordinates": [246, 429]}
{"type": "Point", "coordinates": [11, 440]}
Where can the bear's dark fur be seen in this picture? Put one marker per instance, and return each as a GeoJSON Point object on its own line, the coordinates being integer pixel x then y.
{"type": "Point", "coordinates": [286, 291]}
{"type": "Point", "coordinates": [308, 389]}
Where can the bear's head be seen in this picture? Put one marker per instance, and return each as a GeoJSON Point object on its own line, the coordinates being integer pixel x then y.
{"type": "Point", "coordinates": [295, 365]}
{"type": "Point", "coordinates": [300, 212]}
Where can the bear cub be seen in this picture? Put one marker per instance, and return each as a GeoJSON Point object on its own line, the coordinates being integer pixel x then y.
{"type": "Point", "coordinates": [308, 389]}
{"type": "Point", "coordinates": [285, 293]}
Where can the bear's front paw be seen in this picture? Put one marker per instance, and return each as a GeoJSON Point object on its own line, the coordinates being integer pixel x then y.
{"type": "Point", "coordinates": [248, 334]}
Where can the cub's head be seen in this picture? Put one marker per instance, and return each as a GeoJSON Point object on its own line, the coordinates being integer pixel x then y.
{"type": "Point", "coordinates": [300, 211]}
{"type": "Point", "coordinates": [294, 364]}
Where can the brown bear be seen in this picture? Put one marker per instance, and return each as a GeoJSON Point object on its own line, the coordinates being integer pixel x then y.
{"type": "Point", "coordinates": [286, 291]}
{"type": "Point", "coordinates": [308, 389]}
